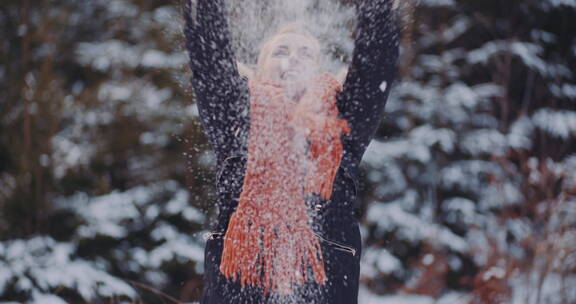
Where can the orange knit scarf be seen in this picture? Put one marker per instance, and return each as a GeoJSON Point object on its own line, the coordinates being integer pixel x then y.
{"type": "Point", "coordinates": [293, 149]}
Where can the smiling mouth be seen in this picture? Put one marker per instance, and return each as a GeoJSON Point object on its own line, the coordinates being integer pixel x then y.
{"type": "Point", "coordinates": [289, 75]}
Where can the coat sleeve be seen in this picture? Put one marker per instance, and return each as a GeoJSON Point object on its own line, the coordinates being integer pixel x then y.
{"type": "Point", "coordinates": [370, 75]}
{"type": "Point", "coordinates": [220, 92]}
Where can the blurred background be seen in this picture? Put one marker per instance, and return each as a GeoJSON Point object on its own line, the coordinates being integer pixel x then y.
{"type": "Point", "coordinates": [468, 192]}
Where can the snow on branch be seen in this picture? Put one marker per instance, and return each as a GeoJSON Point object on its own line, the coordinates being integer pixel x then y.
{"type": "Point", "coordinates": [391, 216]}
{"type": "Point", "coordinates": [565, 90]}
{"type": "Point", "coordinates": [102, 56]}
{"type": "Point", "coordinates": [461, 207]}
{"type": "Point", "coordinates": [557, 4]}
{"type": "Point", "coordinates": [41, 265]}
{"type": "Point", "coordinates": [416, 147]}
{"type": "Point", "coordinates": [529, 53]}
{"type": "Point", "coordinates": [108, 214]}
{"type": "Point", "coordinates": [520, 134]}
{"type": "Point", "coordinates": [484, 141]}
{"type": "Point", "coordinates": [378, 260]}
{"type": "Point", "coordinates": [468, 175]}
{"type": "Point", "coordinates": [560, 123]}
{"type": "Point", "coordinates": [436, 3]}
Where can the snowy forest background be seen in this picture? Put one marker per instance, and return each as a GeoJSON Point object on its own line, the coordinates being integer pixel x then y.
{"type": "Point", "coordinates": [468, 192]}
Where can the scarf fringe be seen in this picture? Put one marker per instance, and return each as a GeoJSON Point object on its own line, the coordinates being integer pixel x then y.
{"type": "Point", "coordinates": [275, 257]}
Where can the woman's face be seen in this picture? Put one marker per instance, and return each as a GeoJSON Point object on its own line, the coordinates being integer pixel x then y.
{"type": "Point", "coordinates": [292, 60]}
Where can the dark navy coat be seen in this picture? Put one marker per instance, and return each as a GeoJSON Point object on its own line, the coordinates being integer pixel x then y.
{"type": "Point", "coordinates": [224, 107]}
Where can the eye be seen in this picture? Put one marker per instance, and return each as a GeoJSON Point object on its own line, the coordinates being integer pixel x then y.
{"type": "Point", "coordinates": [306, 53]}
{"type": "Point", "coordinates": [280, 52]}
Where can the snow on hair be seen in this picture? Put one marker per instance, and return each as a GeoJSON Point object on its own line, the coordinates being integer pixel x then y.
{"type": "Point", "coordinates": [250, 71]}
{"type": "Point", "coordinates": [290, 28]}
{"type": "Point", "coordinates": [244, 70]}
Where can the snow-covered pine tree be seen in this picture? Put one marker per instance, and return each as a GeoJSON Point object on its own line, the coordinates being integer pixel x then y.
{"type": "Point", "coordinates": [94, 187]}
{"type": "Point", "coordinates": [471, 179]}
{"type": "Point", "coordinates": [472, 172]}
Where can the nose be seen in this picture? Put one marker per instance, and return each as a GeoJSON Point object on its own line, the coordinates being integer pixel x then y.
{"type": "Point", "coordinates": [294, 60]}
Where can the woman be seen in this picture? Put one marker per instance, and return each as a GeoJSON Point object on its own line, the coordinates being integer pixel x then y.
{"type": "Point", "coordinates": [288, 144]}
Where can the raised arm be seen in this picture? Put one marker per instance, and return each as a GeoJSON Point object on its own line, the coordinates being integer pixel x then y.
{"type": "Point", "coordinates": [371, 74]}
{"type": "Point", "coordinates": [221, 94]}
